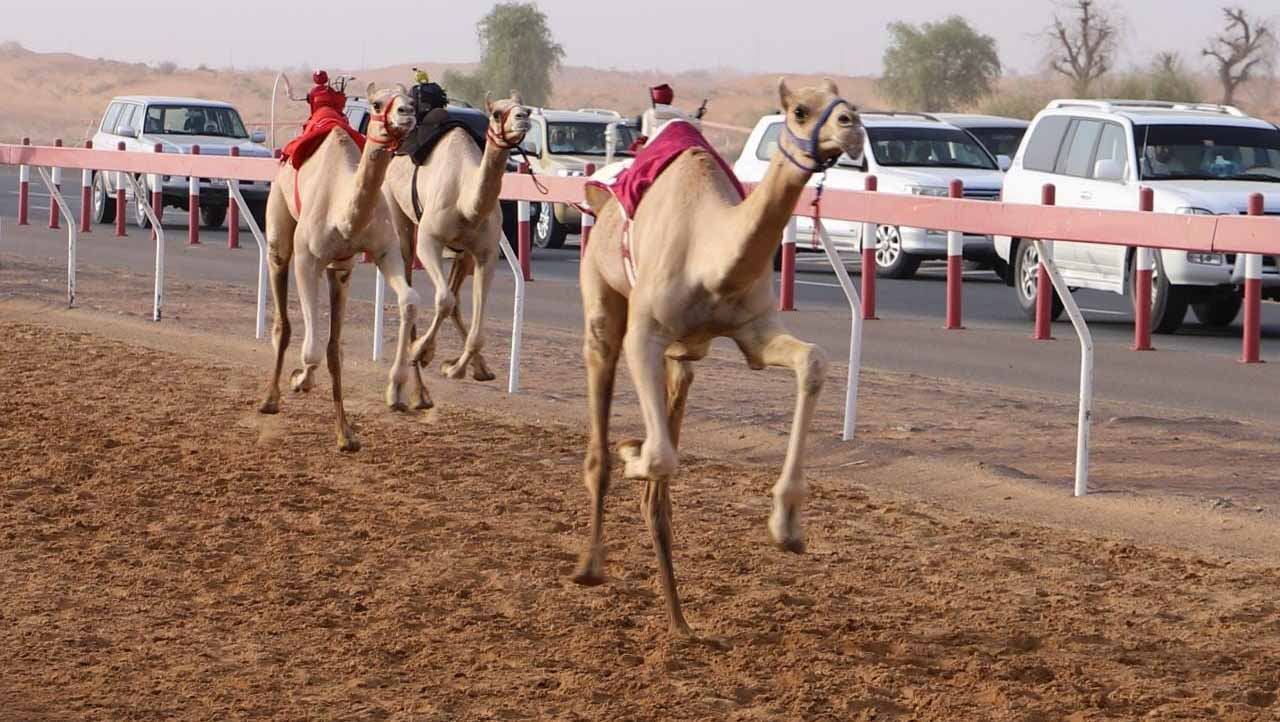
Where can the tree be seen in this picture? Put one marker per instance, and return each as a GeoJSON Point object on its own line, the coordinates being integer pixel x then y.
{"type": "Point", "coordinates": [1083, 47]}
{"type": "Point", "coordinates": [1242, 47]}
{"type": "Point", "coordinates": [1171, 81]}
{"type": "Point", "coordinates": [939, 66]}
{"type": "Point", "coordinates": [518, 52]}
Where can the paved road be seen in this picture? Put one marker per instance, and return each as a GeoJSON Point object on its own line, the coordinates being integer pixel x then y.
{"type": "Point", "coordinates": [1194, 370]}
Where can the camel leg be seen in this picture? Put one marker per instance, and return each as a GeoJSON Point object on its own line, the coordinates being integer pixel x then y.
{"type": "Point", "coordinates": [769, 344]}
{"type": "Point", "coordinates": [339, 286]}
{"type": "Point", "coordinates": [392, 267]}
{"type": "Point", "coordinates": [307, 270]}
{"type": "Point", "coordinates": [407, 235]}
{"type": "Point", "coordinates": [655, 461]}
{"type": "Point", "coordinates": [431, 253]}
{"type": "Point", "coordinates": [679, 379]}
{"type": "Point", "coordinates": [280, 252]}
{"type": "Point", "coordinates": [475, 337]}
{"type": "Point", "coordinates": [463, 266]}
{"type": "Point", "coordinates": [602, 344]}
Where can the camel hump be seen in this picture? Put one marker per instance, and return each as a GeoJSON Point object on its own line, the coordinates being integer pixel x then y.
{"type": "Point", "coordinates": [597, 197]}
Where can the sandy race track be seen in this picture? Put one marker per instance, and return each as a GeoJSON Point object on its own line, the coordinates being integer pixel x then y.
{"type": "Point", "coordinates": [169, 554]}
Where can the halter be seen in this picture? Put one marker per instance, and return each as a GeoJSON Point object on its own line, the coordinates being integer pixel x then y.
{"type": "Point", "coordinates": [389, 141]}
{"type": "Point", "coordinates": [809, 146]}
{"type": "Point", "coordinates": [500, 139]}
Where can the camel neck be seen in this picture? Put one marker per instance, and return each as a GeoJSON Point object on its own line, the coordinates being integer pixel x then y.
{"type": "Point", "coordinates": [763, 216]}
{"type": "Point", "coordinates": [484, 184]}
{"type": "Point", "coordinates": [366, 190]}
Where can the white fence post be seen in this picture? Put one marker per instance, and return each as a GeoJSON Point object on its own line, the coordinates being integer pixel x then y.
{"type": "Point", "coordinates": [855, 332]}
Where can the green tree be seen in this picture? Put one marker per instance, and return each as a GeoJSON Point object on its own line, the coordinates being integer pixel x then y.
{"type": "Point", "coordinates": [938, 66]}
{"type": "Point", "coordinates": [1171, 81]}
{"type": "Point", "coordinates": [518, 52]}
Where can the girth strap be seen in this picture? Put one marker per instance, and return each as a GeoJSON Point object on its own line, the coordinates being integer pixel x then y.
{"type": "Point", "coordinates": [413, 193]}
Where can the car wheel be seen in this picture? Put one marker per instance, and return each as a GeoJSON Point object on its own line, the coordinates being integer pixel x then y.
{"type": "Point", "coordinates": [891, 260]}
{"type": "Point", "coordinates": [1001, 269]}
{"type": "Point", "coordinates": [1168, 302]}
{"type": "Point", "coordinates": [1220, 309]}
{"type": "Point", "coordinates": [139, 207]}
{"type": "Point", "coordinates": [548, 232]}
{"type": "Point", "coordinates": [1026, 281]}
{"type": "Point", "coordinates": [104, 206]}
{"type": "Point", "coordinates": [212, 217]}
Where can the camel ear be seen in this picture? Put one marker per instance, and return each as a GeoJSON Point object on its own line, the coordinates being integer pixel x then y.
{"type": "Point", "coordinates": [784, 94]}
{"type": "Point", "coordinates": [488, 102]}
{"type": "Point", "coordinates": [596, 197]}
{"type": "Point", "coordinates": [401, 89]}
{"type": "Point", "coordinates": [369, 91]}
{"type": "Point", "coordinates": [829, 85]}
{"type": "Point", "coordinates": [516, 97]}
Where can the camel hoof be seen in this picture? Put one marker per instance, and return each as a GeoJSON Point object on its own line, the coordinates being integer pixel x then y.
{"type": "Point", "coordinates": [269, 406]}
{"type": "Point", "coordinates": [483, 375]}
{"type": "Point", "coordinates": [300, 381]}
{"type": "Point", "coordinates": [399, 407]}
{"type": "Point", "coordinates": [454, 370]}
{"type": "Point", "coordinates": [681, 630]}
{"type": "Point", "coordinates": [588, 574]}
{"type": "Point", "coordinates": [795, 546]}
{"type": "Point", "coordinates": [424, 404]}
{"type": "Point", "coordinates": [349, 445]}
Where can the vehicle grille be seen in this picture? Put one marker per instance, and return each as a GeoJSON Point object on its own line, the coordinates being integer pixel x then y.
{"type": "Point", "coordinates": [981, 194]}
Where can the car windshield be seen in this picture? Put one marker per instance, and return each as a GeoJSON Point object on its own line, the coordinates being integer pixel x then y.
{"type": "Point", "coordinates": [587, 138]}
{"type": "Point", "coordinates": [1000, 141]}
{"type": "Point", "coordinates": [193, 120]}
{"type": "Point", "coordinates": [1208, 152]}
{"type": "Point", "coordinates": [928, 147]}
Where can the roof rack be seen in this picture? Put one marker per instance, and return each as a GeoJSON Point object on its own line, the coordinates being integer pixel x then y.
{"type": "Point", "coordinates": [1113, 104]}
{"type": "Point", "coordinates": [601, 111]}
{"type": "Point", "coordinates": [896, 113]}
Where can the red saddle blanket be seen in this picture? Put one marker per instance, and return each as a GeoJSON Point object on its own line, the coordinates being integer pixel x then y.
{"type": "Point", "coordinates": [323, 120]}
{"type": "Point", "coordinates": [665, 146]}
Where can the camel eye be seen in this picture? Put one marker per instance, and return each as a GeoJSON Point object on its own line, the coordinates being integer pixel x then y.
{"type": "Point", "coordinates": [377, 106]}
{"type": "Point", "coordinates": [497, 115]}
{"type": "Point", "coordinates": [801, 113]}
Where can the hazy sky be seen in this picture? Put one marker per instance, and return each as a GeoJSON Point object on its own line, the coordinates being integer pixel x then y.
{"type": "Point", "coordinates": [839, 36]}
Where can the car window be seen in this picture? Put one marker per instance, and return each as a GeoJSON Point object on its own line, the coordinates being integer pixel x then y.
{"type": "Point", "coordinates": [1208, 152]}
{"type": "Point", "coordinates": [927, 147]}
{"type": "Point", "coordinates": [195, 120]}
{"type": "Point", "coordinates": [587, 138]}
{"type": "Point", "coordinates": [1078, 160]}
{"type": "Point", "coordinates": [533, 139]}
{"type": "Point", "coordinates": [1112, 146]}
{"type": "Point", "coordinates": [356, 117]}
{"type": "Point", "coordinates": [769, 142]}
{"type": "Point", "coordinates": [999, 141]}
{"type": "Point", "coordinates": [126, 118]}
{"type": "Point", "coordinates": [109, 120]}
{"type": "Point", "coordinates": [1046, 141]}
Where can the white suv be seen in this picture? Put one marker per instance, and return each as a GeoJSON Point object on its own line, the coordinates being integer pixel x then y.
{"type": "Point", "coordinates": [1198, 159]}
{"type": "Point", "coordinates": [909, 153]}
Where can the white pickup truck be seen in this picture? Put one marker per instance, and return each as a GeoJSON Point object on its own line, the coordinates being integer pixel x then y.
{"type": "Point", "coordinates": [177, 125]}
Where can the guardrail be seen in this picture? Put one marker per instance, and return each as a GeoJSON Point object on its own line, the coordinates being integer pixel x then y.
{"type": "Point", "coordinates": [1142, 229]}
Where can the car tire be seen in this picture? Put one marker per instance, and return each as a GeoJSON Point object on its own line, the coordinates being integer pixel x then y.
{"type": "Point", "coordinates": [1220, 309]}
{"type": "Point", "coordinates": [139, 204]}
{"type": "Point", "coordinates": [1026, 261]}
{"type": "Point", "coordinates": [104, 206]}
{"type": "Point", "coordinates": [1001, 269]}
{"type": "Point", "coordinates": [212, 217]}
{"type": "Point", "coordinates": [548, 232]}
{"type": "Point", "coordinates": [1169, 303]}
{"type": "Point", "coordinates": [891, 260]}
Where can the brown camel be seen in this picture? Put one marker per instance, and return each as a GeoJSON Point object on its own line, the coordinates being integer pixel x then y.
{"type": "Point", "coordinates": [703, 269]}
{"type": "Point", "coordinates": [457, 192]}
{"type": "Point", "coordinates": [319, 217]}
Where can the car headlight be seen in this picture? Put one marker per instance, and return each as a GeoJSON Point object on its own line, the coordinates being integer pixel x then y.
{"type": "Point", "coordinates": [937, 191]}
{"type": "Point", "coordinates": [1207, 259]}
{"type": "Point", "coordinates": [1191, 211]}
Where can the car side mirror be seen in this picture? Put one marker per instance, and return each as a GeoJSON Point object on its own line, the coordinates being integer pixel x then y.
{"type": "Point", "coordinates": [1004, 161]}
{"type": "Point", "coordinates": [258, 136]}
{"type": "Point", "coordinates": [1108, 170]}
{"type": "Point", "coordinates": [128, 132]}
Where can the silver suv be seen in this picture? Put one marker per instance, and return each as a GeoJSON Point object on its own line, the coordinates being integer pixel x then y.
{"type": "Point", "coordinates": [177, 125]}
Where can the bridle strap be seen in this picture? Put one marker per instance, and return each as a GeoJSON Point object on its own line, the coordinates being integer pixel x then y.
{"type": "Point", "coordinates": [500, 138]}
{"type": "Point", "coordinates": [809, 146]}
{"type": "Point", "coordinates": [389, 141]}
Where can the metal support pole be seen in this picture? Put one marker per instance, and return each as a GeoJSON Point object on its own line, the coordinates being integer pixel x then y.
{"type": "Point", "coordinates": [787, 293]}
{"type": "Point", "coordinates": [517, 315]}
{"type": "Point", "coordinates": [120, 204]}
{"type": "Point", "coordinates": [57, 183]}
{"type": "Point", "coordinates": [524, 234]}
{"type": "Point", "coordinates": [1143, 266]}
{"type": "Point", "coordinates": [588, 220]}
{"type": "Point", "coordinates": [1251, 353]}
{"type": "Point", "coordinates": [157, 194]}
{"type": "Point", "coordinates": [157, 305]}
{"type": "Point", "coordinates": [869, 260]}
{"type": "Point", "coordinates": [855, 332]}
{"type": "Point", "coordinates": [193, 205]}
{"type": "Point", "coordinates": [955, 267]}
{"type": "Point", "coordinates": [24, 190]}
{"type": "Point", "coordinates": [234, 195]}
{"type": "Point", "coordinates": [72, 237]}
{"type": "Point", "coordinates": [86, 196]}
{"type": "Point", "coordinates": [1044, 297]}
{"type": "Point", "coordinates": [233, 212]}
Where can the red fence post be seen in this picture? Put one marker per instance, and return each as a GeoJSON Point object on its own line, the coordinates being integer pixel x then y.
{"type": "Point", "coordinates": [588, 220]}
{"type": "Point", "coordinates": [157, 195]}
{"type": "Point", "coordinates": [1252, 342]}
{"type": "Point", "coordinates": [86, 196]}
{"type": "Point", "coordinates": [525, 234]}
{"type": "Point", "coordinates": [120, 204]}
{"type": "Point", "coordinates": [955, 266]}
{"type": "Point", "coordinates": [869, 260]}
{"type": "Point", "coordinates": [1044, 289]}
{"type": "Point", "coordinates": [233, 211]}
{"type": "Point", "coordinates": [787, 293]}
{"type": "Point", "coordinates": [24, 189]}
{"type": "Point", "coordinates": [193, 205]}
{"type": "Point", "coordinates": [56, 177]}
{"type": "Point", "coordinates": [1143, 267]}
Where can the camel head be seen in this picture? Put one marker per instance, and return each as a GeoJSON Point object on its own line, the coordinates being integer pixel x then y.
{"type": "Point", "coordinates": [508, 120]}
{"type": "Point", "coordinates": [820, 125]}
{"type": "Point", "coordinates": [392, 114]}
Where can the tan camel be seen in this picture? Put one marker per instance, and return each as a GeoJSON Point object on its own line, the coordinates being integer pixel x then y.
{"type": "Point", "coordinates": [342, 214]}
{"type": "Point", "coordinates": [457, 192]}
{"type": "Point", "coordinates": [703, 269]}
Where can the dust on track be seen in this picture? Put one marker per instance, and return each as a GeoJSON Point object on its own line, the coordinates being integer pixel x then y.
{"type": "Point", "coordinates": [168, 554]}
